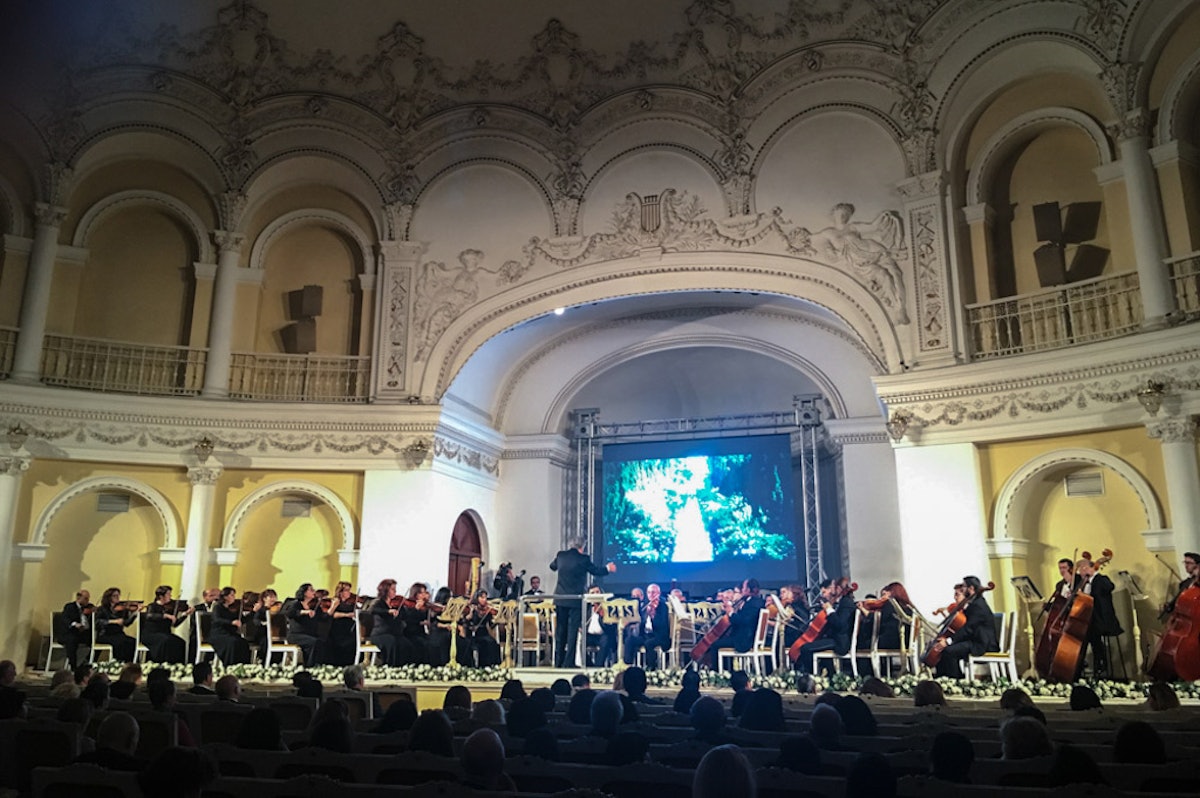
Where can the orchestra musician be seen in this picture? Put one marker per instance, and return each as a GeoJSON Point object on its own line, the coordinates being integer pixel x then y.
{"type": "Point", "coordinates": [431, 643]}
{"type": "Point", "coordinates": [535, 586]}
{"type": "Point", "coordinates": [796, 613]}
{"type": "Point", "coordinates": [839, 624]}
{"type": "Point", "coordinates": [342, 630]}
{"type": "Point", "coordinates": [476, 640]}
{"type": "Point", "coordinates": [743, 621]}
{"type": "Point", "coordinates": [258, 625]}
{"type": "Point", "coordinates": [303, 614]}
{"type": "Point", "coordinates": [387, 631]}
{"type": "Point", "coordinates": [889, 621]}
{"type": "Point", "coordinates": [75, 626]}
{"type": "Point", "coordinates": [1104, 621]}
{"type": "Point", "coordinates": [203, 616]}
{"type": "Point", "coordinates": [226, 637]}
{"type": "Point", "coordinates": [1066, 583]}
{"type": "Point", "coordinates": [111, 618]}
{"type": "Point", "coordinates": [977, 635]}
{"type": "Point", "coordinates": [572, 567]}
{"type": "Point", "coordinates": [163, 615]}
{"type": "Point", "coordinates": [1191, 565]}
{"type": "Point", "coordinates": [653, 629]}
{"type": "Point", "coordinates": [600, 634]}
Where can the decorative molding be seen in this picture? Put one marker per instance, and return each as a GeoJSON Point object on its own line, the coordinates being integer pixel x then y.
{"type": "Point", "coordinates": [203, 476]}
{"type": "Point", "coordinates": [223, 556]}
{"type": "Point", "coordinates": [14, 465]}
{"type": "Point", "coordinates": [169, 556]}
{"type": "Point", "coordinates": [32, 552]}
{"type": "Point", "coordinates": [1007, 548]}
{"type": "Point", "coordinates": [204, 271]}
{"type": "Point", "coordinates": [310, 216]}
{"type": "Point", "coordinates": [166, 513]}
{"type": "Point", "coordinates": [1173, 430]}
{"type": "Point", "coordinates": [1159, 539]}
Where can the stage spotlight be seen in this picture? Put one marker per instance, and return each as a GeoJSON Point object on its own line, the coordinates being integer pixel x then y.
{"type": "Point", "coordinates": [559, 311]}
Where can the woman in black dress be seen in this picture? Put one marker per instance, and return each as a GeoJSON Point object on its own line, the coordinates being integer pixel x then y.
{"type": "Point", "coordinates": [161, 617]}
{"type": "Point", "coordinates": [387, 627]}
{"type": "Point", "coordinates": [476, 638]}
{"type": "Point", "coordinates": [431, 643]}
{"type": "Point", "coordinates": [259, 623]}
{"type": "Point", "coordinates": [303, 615]}
{"type": "Point", "coordinates": [342, 630]}
{"type": "Point", "coordinates": [226, 636]}
{"type": "Point", "coordinates": [111, 618]}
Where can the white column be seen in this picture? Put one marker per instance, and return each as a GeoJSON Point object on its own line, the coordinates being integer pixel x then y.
{"type": "Point", "coordinates": [199, 525]}
{"type": "Point", "coordinates": [220, 324]}
{"type": "Point", "coordinates": [943, 520]}
{"type": "Point", "coordinates": [1145, 217]}
{"type": "Point", "coordinates": [1178, 437]}
{"type": "Point", "coordinates": [11, 469]}
{"type": "Point", "coordinates": [35, 301]}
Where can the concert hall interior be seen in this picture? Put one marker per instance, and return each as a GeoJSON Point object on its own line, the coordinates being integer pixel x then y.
{"type": "Point", "coordinates": [303, 292]}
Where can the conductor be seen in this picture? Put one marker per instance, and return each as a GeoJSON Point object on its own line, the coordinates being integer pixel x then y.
{"type": "Point", "coordinates": [572, 567]}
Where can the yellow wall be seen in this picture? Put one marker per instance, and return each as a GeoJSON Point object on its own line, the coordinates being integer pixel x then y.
{"type": "Point", "coordinates": [12, 283]}
{"type": "Point", "coordinates": [310, 195]}
{"type": "Point", "coordinates": [283, 552]}
{"type": "Point", "coordinates": [141, 174]}
{"type": "Point", "coordinates": [1180, 47]}
{"type": "Point", "coordinates": [136, 285]}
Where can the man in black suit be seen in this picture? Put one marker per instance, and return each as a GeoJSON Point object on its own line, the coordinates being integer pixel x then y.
{"type": "Point", "coordinates": [1191, 564]}
{"type": "Point", "coordinates": [977, 635]}
{"type": "Point", "coordinates": [654, 629]}
{"type": "Point", "coordinates": [75, 626]}
{"type": "Point", "coordinates": [202, 679]}
{"type": "Point", "coordinates": [572, 567]}
{"type": "Point", "coordinates": [1104, 616]}
{"type": "Point", "coordinates": [839, 625]}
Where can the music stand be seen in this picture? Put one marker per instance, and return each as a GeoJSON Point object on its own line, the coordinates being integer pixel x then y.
{"type": "Point", "coordinates": [1026, 588]}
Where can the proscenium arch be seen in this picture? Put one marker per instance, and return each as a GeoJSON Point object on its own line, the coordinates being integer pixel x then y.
{"type": "Point", "coordinates": [121, 200]}
{"type": "Point", "coordinates": [1022, 130]}
{"type": "Point", "coordinates": [291, 486]}
{"type": "Point", "coordinates": [155, 499]}
{"type": "Point", "coordinates": [1015, 494]}
{"type": "Point", "coordinates": [309, 216]}
{"type": "Point", "coordinates": [798, 278]}
{"type": "Point", "coordinates": [559, 405]}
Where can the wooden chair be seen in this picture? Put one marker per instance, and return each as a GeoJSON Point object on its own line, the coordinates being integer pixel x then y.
{"type": "Point", "coordinates": [98, 648]}
{"type": "Point", "coordinates": [363, 647]}
{"type": "Point", "coordinates": [760, 651]}
{"type": "Point", "coordinates": [275, 642]}
{"type": "Point", "coordinates": [851, 655]}
{"type": "Point", "coordinates": [203, 622]}
{"type": "Point", "coordinates": [55, 621]}
{"type": "Point", "coordinates": [141, 651]}
{"type": "Point", "coordinates": [1005, 658]}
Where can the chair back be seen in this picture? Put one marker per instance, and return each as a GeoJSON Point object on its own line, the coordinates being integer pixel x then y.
{"type": "Point", "coordinates": [762, 630]}
{"type": "Point", "coordinates": [858, 616]}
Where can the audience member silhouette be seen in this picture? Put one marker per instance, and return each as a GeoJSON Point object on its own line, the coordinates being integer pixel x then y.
{"type": "Point", "coordinates": [951, 756]}
{"type": "Point", "coordinates": [1138, 743]}
{"type": "Point", "coordinates": [870, 776]}
{"type": "Point", "coordinates": [724, 771]}
{"type": "Point", "coordinates": [857, 718]}
{"type": "Point", "coordinates": [800, 754]}
{"type": "Point", "coordinates": [763, 712]}
{"type": "Point", "coordinates": [433, 733]}
{"type": "Point", "coordinates": [1024, 738]}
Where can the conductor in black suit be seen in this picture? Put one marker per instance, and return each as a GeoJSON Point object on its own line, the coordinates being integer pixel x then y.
{"type": "Point", "coordinates": [977, 636]}
{"type": "Point", "coordinates": [572, 567]}
{"type": "Point", "coordinates": [1104, 616]}
{"type": "Point", "coordinates": [75, 626]}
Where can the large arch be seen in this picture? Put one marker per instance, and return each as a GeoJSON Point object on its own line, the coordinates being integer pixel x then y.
{"type": "Point", "coordinates": [1179, 104]}
{"type": "Point", "coordinates": [124, 484]}
{"type": "Point", "coordinates": [338, 221]}
{"type": "Point", "coordinates": [94, 215]}
{"type": "Point", "coordinates": [1017, 490]}
{"type": "Point", "coordinates": [304, 487]}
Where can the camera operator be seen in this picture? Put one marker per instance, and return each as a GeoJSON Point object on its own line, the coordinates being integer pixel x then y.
{"type": "Point", "coordinates": [508, 586]}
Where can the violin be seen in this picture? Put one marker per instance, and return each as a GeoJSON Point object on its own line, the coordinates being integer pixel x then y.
{"type": "Point", "coordinates": [841, 588]}
{"type": "Point", "coordinates": [127, 607]}
{"type": "Point", "coordinates": [873, 605]}
{"type": "Point", "coordinates": [956, 620]}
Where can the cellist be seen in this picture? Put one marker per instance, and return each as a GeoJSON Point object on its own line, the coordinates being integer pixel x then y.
{"type": "Point", "coordinates": [839, 609]}
{"type": "Point", "coordinates": [1104, 616]}
{"type": "Point", "coordinates": [743, 622]}
{"type": "Point", "coordinates": [977, 635]}
{"type": "Point", "coordinates": [1191, 564]}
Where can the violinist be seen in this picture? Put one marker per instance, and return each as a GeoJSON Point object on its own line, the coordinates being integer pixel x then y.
{"type": "Point", "coordinates": [111, 618]}
{"type": "Point", "coordinates": [601, 635]}
{"type": "Point", "coordinates": [75, 625]}
{"type": "Point", "coordinates": [960, 592]}
{"type": "Point", "coordinates": [387, 629]}
{"type": "Point", "coordinates": [258, 625]}
{"type": "Point", "coordinates": [743, 620]}
{"type": "Point", "coordinates": [430, 642]}
{"type": "Point", "coordinates": [341, 644]}
{"type": "Point", "coordinates": [226, 637]}
{"type": "Point", "coordinates": [889, 621]}
{"type": "Point", "coordinates": [303, 615]}
{"type": "Point", "coordinates": [977, 635]}
{"type": "Point", "coordinates": [839, 623]}
{"type": "Point", "coordinates": [1104, 621]}
{"type": "Point", "coordinates": [1191, 564]}
{"type": "Point", "coordinates": [795, 615]}
{"type": "Point", "coordinates": [162, 616]}
{"type": "Point", "coordinates": [476, 639]}
{"type": "Point", "coordinates": [654, 629]}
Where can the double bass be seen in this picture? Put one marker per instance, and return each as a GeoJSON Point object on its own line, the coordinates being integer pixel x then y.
{"type": "Point", "coordinates": [1176, 655]}
{"type": "Point", "coordinates": [1072, 642]}
{"type": "Point", "coordinates": [841, 588]}
{"type": "Point", "coordinates": [956, 619]}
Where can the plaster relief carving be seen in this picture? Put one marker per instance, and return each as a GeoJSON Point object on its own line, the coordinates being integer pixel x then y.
{"type": "Point", "coordinates": [868, 250]}
{"type": "Point", "coordinates": [443, 292]}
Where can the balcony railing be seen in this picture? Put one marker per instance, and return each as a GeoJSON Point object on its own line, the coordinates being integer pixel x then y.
{"type": "Point", "coordinates": [299, 378]}
{"type": "Point", "coordinates": [1091, 310]}
{"type": "Point", "coordinates": [1185, 279]}
{"type": "Point", "coordinates": [122, 367]}
{"type": "Point", "coordinates": [8, 348]}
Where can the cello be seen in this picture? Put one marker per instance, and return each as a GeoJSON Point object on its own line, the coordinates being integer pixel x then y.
{"type": "Point", "coordinates": [1068, 653]}
{"type": "Point", "coordinates": [1176, 655]}
{"type": "Point", "coordinates": [956, 619]}
{"type": "Point", "coordinates": [716, 631]}
{"type": "Point", "coordinates": [839, 589]}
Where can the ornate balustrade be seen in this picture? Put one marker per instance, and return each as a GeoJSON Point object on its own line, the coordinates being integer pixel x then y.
{"type": "Point", "coordinates": [122, 367]}
{"type": "Point", "coordinates": [1185, 279]}
{"type": "Point", "coordinates": [299, 378]}
{"type": "Point", "coordinates": [1091, 310]}
{"type": "Point", "coordinates": [8, 347]}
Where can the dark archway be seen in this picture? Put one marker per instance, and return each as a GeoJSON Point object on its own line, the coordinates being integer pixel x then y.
{"type": "Point", "coordinates": [464, 546]}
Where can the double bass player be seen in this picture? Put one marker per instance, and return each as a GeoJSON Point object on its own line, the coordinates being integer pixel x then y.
{"type": "Point", "coordinates": [1104, 616]}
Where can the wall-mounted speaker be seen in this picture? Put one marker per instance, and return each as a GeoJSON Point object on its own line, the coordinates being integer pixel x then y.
{"type": "Point", "coordinates": [299, 338]}
{"type": "Point", "coordinates": [305, 303]}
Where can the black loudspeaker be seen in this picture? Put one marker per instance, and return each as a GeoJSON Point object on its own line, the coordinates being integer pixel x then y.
{"type": "Point", "coordinates": [1082, 222]}
{"type": "Point", "coordinates": [1051, 265]}
{"type": "Point", "coordinates": [300, 338]}
{"type": "Point", "coordinates": [1088, 263]}
{"type": "Point", "coordinates": [1047, 222]}
{"type": "Point", "coordinates": [305, 303]}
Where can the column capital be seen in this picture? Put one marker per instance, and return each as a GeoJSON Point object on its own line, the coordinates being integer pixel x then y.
{"type": "Point", "coordinates": [980, 212]}
{"type": "Point", "coordinates": [203, 475]}
{"type": "Point", "coordinates": [14, 465]}
{"type": "Point", "coordinates": [1135, 124]}
{"type": "Point", "coordinates": [1007, 549]}
{"type": "Point", "coordinates": [1176, 429]}
{"type": "Point", "coordinates": [227, 241]}
{"type": "Point", "coordinates": [230, 206]}
{"type": "Point", "coordinates": [49, 215]}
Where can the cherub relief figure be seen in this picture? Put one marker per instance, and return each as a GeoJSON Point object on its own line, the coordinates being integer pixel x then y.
{"type": "Point", "coordinates": [442, 293]}
{"type": "Point", "coordinates": [868, 249]}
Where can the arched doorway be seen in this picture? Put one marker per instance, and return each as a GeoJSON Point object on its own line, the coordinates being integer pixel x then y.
{"type": "Point", "coordinates": [464, 545]}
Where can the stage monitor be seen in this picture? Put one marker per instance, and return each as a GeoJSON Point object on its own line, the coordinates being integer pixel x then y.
{"type": "Point", "coordinates": [712, 511]}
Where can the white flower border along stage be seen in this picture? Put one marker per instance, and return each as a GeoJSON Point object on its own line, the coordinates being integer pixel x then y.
{"type": "Point", "coordinates": [784, 682]}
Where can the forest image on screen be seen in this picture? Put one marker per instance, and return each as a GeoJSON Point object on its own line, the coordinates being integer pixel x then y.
{"type": "Point", "coordinates": [699, 508]}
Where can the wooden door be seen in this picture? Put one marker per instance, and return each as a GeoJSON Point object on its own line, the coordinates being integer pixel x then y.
{"type": "Point", "coordinates": [464, 545]}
